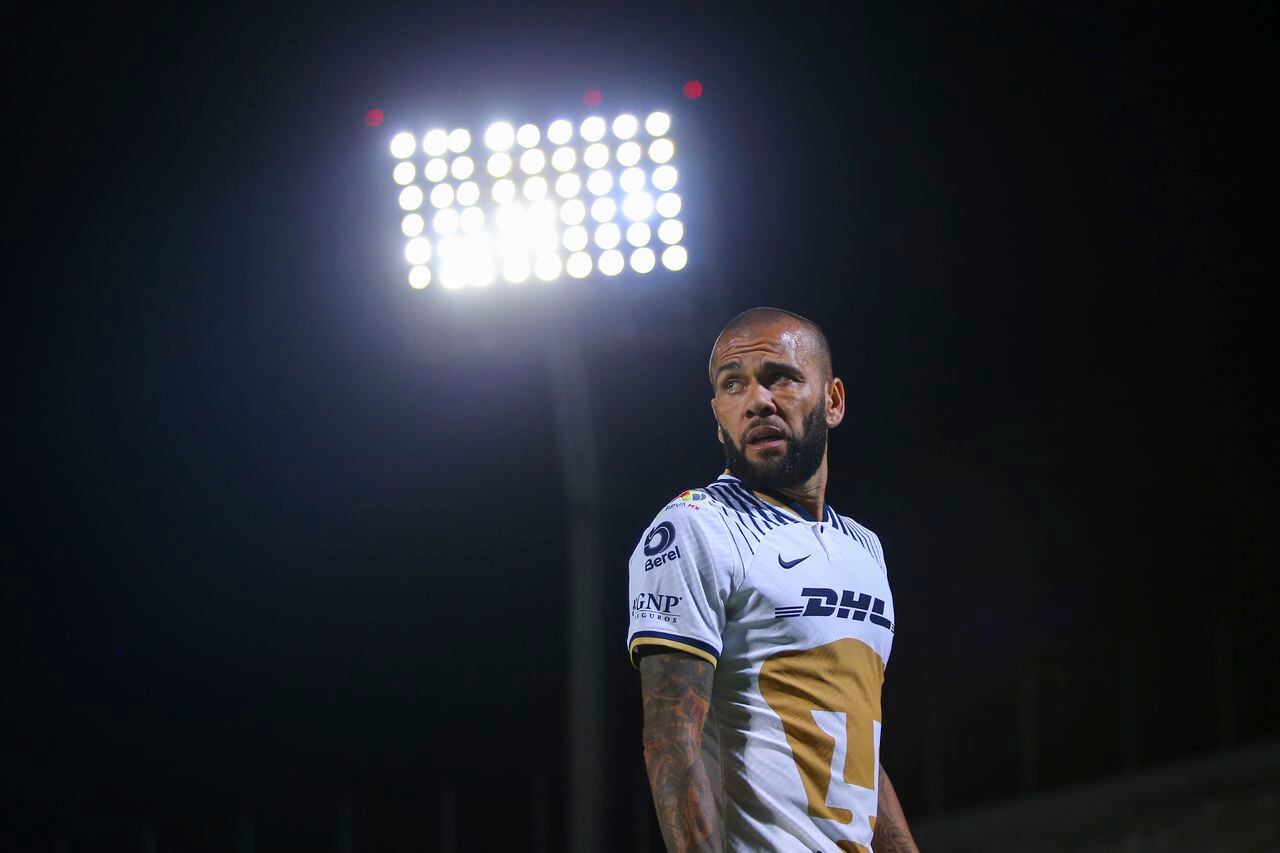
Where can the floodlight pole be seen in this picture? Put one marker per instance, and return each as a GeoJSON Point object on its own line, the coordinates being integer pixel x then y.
{"type": "Point", "coordinates": [580, 472]}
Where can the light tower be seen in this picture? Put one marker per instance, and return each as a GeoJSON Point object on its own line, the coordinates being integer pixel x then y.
{"type": "Point", "coordinates": [563, 204]}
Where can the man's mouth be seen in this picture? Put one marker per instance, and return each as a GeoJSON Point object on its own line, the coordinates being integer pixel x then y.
{"type": "Point", "coordinates": [765, 438]}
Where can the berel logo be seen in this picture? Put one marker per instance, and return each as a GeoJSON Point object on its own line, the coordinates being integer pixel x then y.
{"type": "Point", "coordinates": [662, 559]}
{"type": "Point", "coordinates": [659, 539]}
{"type": "Point", "coordinates": [656, 545]}
{"type": "Point", "coordinates": [845, 604]}
{"type": "Point", "coordinates": [652, 605]}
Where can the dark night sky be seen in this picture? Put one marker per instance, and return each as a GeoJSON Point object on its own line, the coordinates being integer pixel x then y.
{"type": "Point", "coordinates": [288, 531]}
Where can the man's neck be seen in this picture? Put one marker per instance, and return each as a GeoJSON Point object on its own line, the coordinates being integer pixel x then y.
{"type": "Point", "coordinates": [812, 494]}
{"type": "Point", "coordinates": [809, 495]}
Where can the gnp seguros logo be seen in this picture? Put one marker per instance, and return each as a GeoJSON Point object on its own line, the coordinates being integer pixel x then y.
{"type": "Point", "coordinates": [654, 605]}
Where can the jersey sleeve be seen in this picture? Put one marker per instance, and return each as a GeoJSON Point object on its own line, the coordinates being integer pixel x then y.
{"type": "Point", "coordinates": [682, 572]}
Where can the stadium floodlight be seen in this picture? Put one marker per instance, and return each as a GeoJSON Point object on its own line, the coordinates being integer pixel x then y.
{"type": "Point", "coordinates": [661, 150]}
{"type": "Point", "coordinates": [596, 156]}
{"type": "Point", "coordinates": [403, 145]}
{"type": "Point", "coordinates": [532, 161]}
{"type": "Point", "coordinates": [568, 186]}
{"type": "Point", "coordinates": [592, 129]}
{"type": "Point", "coordinates": [528, 135]}
{"type": "Point", "coordinates": [628, 153]}
{"type": "Point", "coordinates": [671, 231]}
{"type": "Point", "coordinates": [503, 191]}
{"type": "Point", "coordinates": [667, 205]}
{"type": "Point", "coordinates": [499, 164]}
{"type": "Point", "coordinates": [535, 189]}
{"type": "Point", "coordinates": [664, 177]}
{"type": "Point", "coordinates": [631, 180]}
{"type": "Point", "coordinates": [459, 140]}
{"type": "Point", "coordinates": [435, 143]}
{"type": "Point", "coordinates": [411, 198]}
{"type": "Point", "coordinates": [520, 202]}
{"type": "Point", "coordinates": [578, 265]}
{"type": "Point", "coordinates": [563, 159]}
{"type": "Point", "coordinates": [608, 235]}
{"type": "Point", "coordinates": [413, 224]}
{"type": "Point", "coordinates": [603, 209]}
{"type": "Point", "coordinates": [600, 182]}
{"type": "Point", "coordinates": [471, 220]}
{"type": "Point", "coordinates": [637, 206]}
{"type": "Point", "coordinates": [500, 136]}
{"type": "Point", "coordinates": [467, 194]}
{"type": "Point", "coordinates": [638, 234]}
{"type": "Point", "coordinates": [625, 126]}
{"type": "Point", "coordinates": [441, 195]}
{"type": "Point", "coordinates": [436, 170]}
{"type": "Point", "coordinates": [611, 262]}
{"type": "Point", "coordinates": [445, 221]}
{"type": "Point", "coordinates": [642, 260]}
{"type": "Point", "coordinates": [573, 211]}
{"type": "Point", "coordinates": [674, 258]}
{"type": "Point", "coordinates": [657, 124]}
{"type": "Point", "coordinates": [559, 131]}
{"type": "Point", "coordinates": [462, 168]}
{"type": "Point", "coordinates": [404, 173]}
{"type": "Point", "coordinates": [419, 277]}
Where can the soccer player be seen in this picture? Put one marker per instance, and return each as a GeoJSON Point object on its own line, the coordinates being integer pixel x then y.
{"type": "Point", "coordinates": [761, 622]}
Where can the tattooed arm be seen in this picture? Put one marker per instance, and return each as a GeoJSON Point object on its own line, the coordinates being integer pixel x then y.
{"type": "Point", "coordinates": [892, 834]}
{"type": "Point", "coordinates": [677, 695]}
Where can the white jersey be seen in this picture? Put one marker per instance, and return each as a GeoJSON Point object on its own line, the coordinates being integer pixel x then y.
{"type": "Point", "coordinates": [797, 618]}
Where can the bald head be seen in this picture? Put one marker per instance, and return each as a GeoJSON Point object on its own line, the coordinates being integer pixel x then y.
{"type": "Point", "coordinates": [756, 321]}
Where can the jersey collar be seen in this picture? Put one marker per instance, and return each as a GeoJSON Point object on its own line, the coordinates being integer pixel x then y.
{"type": "Point", "coordinates": [779, 500]}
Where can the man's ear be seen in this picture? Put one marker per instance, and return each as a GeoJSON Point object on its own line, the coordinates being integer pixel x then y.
{"type": "Point", "coordinates": [719, 429]}
{"type": "Point", "coordinates": [835, 403]}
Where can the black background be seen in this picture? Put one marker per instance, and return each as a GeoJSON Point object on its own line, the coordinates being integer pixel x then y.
{"type": "Point", "coordinates": [287, 532]}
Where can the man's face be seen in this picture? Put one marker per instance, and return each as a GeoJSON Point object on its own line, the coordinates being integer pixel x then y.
{"type": "Point", "coordinates": [773, 403]}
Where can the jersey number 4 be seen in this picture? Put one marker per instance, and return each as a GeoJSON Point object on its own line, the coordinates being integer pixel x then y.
{"type": "Point", "coordinates": [842, 678]}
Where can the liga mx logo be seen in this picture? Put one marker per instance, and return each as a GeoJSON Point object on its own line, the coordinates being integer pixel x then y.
{"type": "Point", "coordinates": [690, 499]}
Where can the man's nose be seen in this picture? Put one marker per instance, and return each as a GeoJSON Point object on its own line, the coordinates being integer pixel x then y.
{"type": "Point", "coordinates": [760, 402]}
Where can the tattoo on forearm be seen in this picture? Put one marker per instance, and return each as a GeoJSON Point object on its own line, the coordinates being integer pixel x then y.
{"type": "Point", "coordinates": [677, 697]}
{"type": "Point", "coordinates": [891, 834]}
{"type": "Point", "coordinates": [892, 837]}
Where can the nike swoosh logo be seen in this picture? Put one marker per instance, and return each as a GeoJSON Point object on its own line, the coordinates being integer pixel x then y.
{"type": "Point", "coordinates": [788, 564]}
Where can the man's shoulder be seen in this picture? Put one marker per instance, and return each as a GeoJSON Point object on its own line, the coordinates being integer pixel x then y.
{"type": "Point", "coordinates": [694, 508]}
{"type": "Point", "coordinates": [690, 525]}
{"type": "Point", "coordinates": [700, 509]}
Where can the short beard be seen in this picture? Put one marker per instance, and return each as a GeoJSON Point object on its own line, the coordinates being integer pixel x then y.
{"type": "Point", "coordinates": [797, 464]}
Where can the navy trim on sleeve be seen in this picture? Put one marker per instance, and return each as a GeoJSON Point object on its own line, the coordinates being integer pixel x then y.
{"type": "Point", "coordinates": [676, 638]}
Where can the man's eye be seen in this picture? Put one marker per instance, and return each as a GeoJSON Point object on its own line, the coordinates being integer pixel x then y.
{"type": "Point", "coordinates": [732, 385]}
